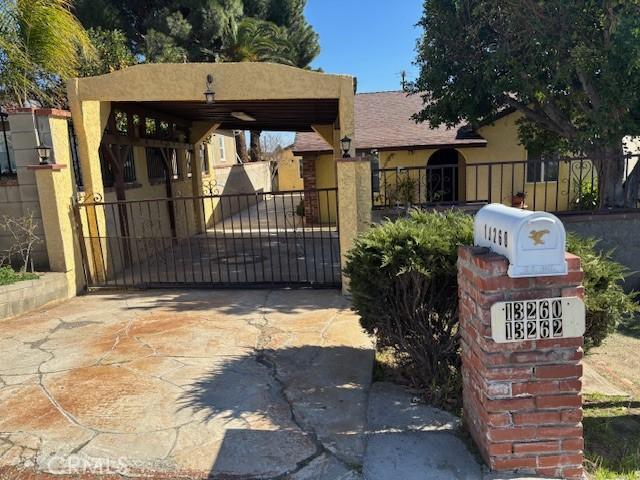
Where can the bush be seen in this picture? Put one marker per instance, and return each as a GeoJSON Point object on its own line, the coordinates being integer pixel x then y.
{"type": "Point", "coordinates": [404, 285]}
{"type": "Point", "coordinates": [607, 303]}
{"type": "Point", "coordinates": [403, 280]}
{"type": "Point", "coordinates": [9, 276]}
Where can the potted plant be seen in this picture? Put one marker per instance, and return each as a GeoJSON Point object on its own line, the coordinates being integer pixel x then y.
{"type": "Point", "coordinates": [405, 192]}
{"type": "Point", "coordinates": [518, 200]}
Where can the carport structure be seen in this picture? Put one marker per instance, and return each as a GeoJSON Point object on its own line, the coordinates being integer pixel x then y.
{"type": "Point", "coordinates": [149, 233]}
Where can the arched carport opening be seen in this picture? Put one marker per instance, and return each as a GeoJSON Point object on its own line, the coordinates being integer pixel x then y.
{"type": "Point", "coordinates": [181, 235]}
{"type": "Point", "coordinates": [445, 176]}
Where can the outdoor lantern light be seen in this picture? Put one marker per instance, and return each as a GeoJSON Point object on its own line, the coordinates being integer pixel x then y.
{"type": "Point", "coordinates": [345, 144]}
{"type": "Point", "coordinates": [44, 153]}
{"type": "Point", "coordinates": [209, 94]}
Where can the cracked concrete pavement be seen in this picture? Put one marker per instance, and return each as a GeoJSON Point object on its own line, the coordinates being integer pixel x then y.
{"type": "Point", "coordinates": [187, 384]}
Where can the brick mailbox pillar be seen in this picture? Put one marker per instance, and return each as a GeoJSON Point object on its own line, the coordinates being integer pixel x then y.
{"type": "Point", "coordinates": [522, 400]}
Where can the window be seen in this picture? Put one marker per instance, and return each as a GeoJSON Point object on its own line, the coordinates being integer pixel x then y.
{"type": "Point", "coordinates": [188, 157]}
{"type": "Point", "coordinates": [108, 177]}
{"type": "Point", "coordinates": [156, 166]}
{"type": "Point", "coordinates": [7, 161]}
{"type": "Point", "coordinates": [301, 166]}
{"type": "Point", "coordinates": [541, 168]}
{"type": "Point", "coordinates": [221, 147]}
{"type": "Point", "coordinates": [375, 171]}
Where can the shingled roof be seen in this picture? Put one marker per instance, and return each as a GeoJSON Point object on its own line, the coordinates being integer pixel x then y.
{"type": "Point", "coordinates": [383, 121]}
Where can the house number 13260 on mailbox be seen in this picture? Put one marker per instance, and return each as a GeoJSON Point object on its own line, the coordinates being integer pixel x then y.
{"type": "Point", "coordinates": [539, 319]}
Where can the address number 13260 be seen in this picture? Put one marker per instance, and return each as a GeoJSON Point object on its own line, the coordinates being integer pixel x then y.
{"type": "Point", "coordinates": [537, 319]}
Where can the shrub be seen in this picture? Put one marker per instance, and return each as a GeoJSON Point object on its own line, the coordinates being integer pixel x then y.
{"type": "Point", "coordinates": [23, 237]}
{"type": "Point", "coordinates": [405, 190]}
{"type": "Point", "coordinates": [403, 280]}
{"type": "Point", "coordinates": [607, 303]}
{"type": "Point", "coordinates": [587, 197]}
{"type": "Point", "coordinates": [9, 276]}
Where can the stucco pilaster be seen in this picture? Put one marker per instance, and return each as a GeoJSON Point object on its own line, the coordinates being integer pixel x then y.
{"type": "Point", "coordinates": [354, 201]}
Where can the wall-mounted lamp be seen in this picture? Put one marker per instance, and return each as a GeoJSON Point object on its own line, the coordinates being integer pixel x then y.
{"type": "Point", "coordinates": [209, 94]}
{"type": "Point", "coordinates": [345, 145]}
{"type": "Point", "coordinates": [44, 153]}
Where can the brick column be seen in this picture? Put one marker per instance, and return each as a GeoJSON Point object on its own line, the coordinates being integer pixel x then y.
{"type": "Point", "coordinates": [522, 401]}
{"type": "Point", "coordinates": [311, 203]}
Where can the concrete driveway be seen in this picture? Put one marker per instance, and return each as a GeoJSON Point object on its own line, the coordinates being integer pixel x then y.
{"type": "Point", "coordinates": [186, 384]}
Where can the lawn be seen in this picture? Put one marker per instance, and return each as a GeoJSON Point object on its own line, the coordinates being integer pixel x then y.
{"type": "Point", "coordinates": [612, 424]}
{"type": "Point", "coordinates": [612, 437]}
{"type": "Point", "coordinates": [9, 276]}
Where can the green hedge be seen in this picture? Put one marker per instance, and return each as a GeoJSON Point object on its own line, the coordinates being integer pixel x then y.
{"type": "Point", "coordinates": [403, 280]}
{"type": "Point", "coordinates": [9, 276]}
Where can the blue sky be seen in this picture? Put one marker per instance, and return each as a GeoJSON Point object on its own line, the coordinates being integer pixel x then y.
{"type": "Point", "coordinates": [371, 39]}
{"type": "Point", "coordinates": [374, 40]}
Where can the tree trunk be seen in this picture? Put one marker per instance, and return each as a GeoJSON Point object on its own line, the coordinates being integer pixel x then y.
{"type": "Point", "coordinates": [256, 151]}
{"type": "Point", "coordinates": [610, 163]}
{"type": "Point", "coordinates": [241, 146]}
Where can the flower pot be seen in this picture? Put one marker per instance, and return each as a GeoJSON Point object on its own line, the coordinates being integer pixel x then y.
{"type": "Point", "coordinates": [518, 201]}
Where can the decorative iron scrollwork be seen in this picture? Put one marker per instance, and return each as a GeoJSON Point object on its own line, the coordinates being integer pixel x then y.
{"type": "Point", "coordinates": [88, 198]}
{"type": "Point", "coordinates": [210, 187]}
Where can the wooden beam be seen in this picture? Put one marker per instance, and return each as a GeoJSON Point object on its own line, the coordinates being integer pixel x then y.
{"type": "Point", "coordinates": [143, 142]}
{"type": "Point", "coordinates": [168, 172]}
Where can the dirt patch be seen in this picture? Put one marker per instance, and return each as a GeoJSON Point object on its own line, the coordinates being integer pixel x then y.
{"type": "Point", "coordinates": [617, 360]}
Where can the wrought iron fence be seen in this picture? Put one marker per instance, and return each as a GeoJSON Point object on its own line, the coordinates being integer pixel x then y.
{"type": "Point", "coordinates": [7, 160]}
{"type": "Point", "coordinates": [260, 239]}
{"type": "Point", "coordinates": [557, 185]}
{"type": "Point", "coordinates": [75, 159]}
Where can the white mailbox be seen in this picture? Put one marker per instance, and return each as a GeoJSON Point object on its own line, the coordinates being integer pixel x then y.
{"type": "Point", "coordinates": [533, 242]}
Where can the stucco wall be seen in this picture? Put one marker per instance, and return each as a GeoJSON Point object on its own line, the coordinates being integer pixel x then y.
{"type": "Point", "coordinates": [325, 166]}
{"type": "Point", "coordinates": [616, 231]}
{"type": "Point", "coordinates": [289, 172]}
{"type": "Point", "coordinates": [213, 148]}
{"type": "Point", "coordinates": [19, 196]}
{"type": "Point", "coordinates": [233, 180]}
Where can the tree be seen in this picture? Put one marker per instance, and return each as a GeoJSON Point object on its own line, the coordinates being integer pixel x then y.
{"type": "Point", "coordinates": [571, 68]}
{"type": "Point", "coordinates": [112, 53]}
{"type": "Point", "coordinates": [167, 30]}
{"type": "Point", "coordinates": [289, 14]}
{"type": "Point", "coordinates": [40, 41]}
{"type": "Point", "coordinates": [257, 41]}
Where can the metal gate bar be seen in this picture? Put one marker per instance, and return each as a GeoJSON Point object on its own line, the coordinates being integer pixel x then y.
{"type": "Point", "coordinates": [262, 239]}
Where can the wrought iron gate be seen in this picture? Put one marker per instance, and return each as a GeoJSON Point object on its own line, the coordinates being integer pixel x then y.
{"type": "Point", "coordinates": [265, 239]}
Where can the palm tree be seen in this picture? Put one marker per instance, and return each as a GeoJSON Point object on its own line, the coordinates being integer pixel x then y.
{"type": "Point", "coordinates": [257, 41]}
{"type": "Point", "coordinates": [40, 44]}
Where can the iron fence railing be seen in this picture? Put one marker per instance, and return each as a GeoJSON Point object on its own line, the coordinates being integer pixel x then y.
{"type": "Point", "coordinates": [245, 240]}
{"type": "Point", "coordinates": [7, 160]}
{"type": "Point", "coordinates": [557, 185]}
{"type": "Point", "coordinates": [75, 159]}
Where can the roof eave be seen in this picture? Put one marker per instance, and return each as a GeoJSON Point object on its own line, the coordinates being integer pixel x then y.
{"type": "Point", "coordinates": [432, 146]}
